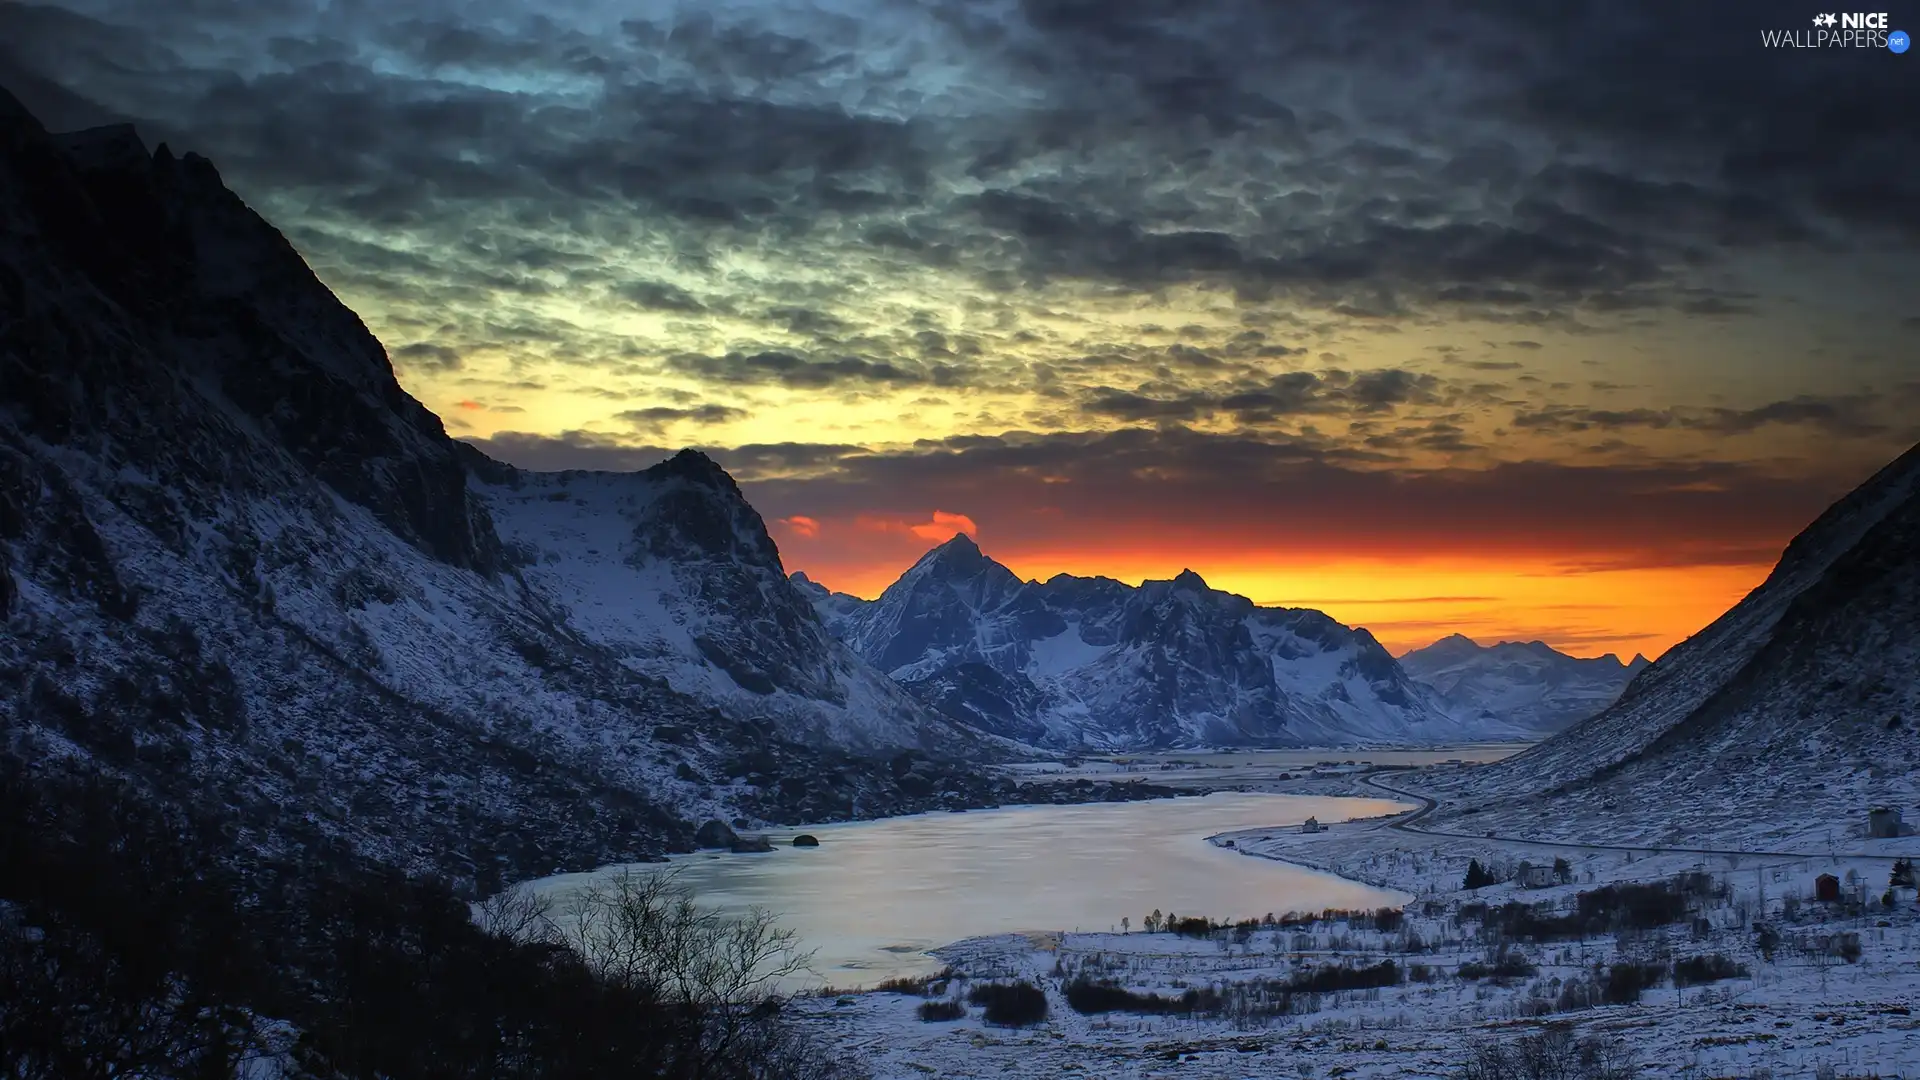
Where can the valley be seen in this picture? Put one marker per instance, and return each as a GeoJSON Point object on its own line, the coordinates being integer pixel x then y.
{"type": "Point", "coordinates": [1732, 967]}
{"type": "Point", "coordinates": [315, 666]}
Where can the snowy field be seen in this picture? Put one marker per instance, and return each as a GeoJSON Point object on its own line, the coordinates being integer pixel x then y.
{"type": "Point", "coordinates": [1828, 990]}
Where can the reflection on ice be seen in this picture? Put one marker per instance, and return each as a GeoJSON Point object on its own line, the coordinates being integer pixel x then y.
{"type": "Point", "coordinates": [875, 895]}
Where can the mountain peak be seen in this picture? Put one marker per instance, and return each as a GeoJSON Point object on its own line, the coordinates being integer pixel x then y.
{"type": "Point", "coordinates": [960, 543]}
{"type": "Point", "coordinates": [1452, 649]}
{"type": "Point", "coordinates": [695, 467]}
{"type": "Point", "coordinates": [109, 146]}
{"type": "Point", "coordinates": [958, 556]}
{"type": "Point", "coordinates": [1187, 579]}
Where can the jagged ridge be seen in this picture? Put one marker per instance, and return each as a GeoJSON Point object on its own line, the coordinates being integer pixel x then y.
{"type": "Point", "coordinates": [1529, 685]}
{"type": "Point", "coordinates": [1094, 662]}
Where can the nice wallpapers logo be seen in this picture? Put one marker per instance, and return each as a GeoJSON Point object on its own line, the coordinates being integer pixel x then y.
{"type": "Point", "coordinates": [1847, 30]}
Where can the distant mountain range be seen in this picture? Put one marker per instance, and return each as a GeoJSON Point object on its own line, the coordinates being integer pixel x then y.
{"type": "Point", "coordinates": [1094, 662]}
{"type": "Point", "coordinates": [1780, 724]}
{"type": "Point", "coordinates": [1527, 685]}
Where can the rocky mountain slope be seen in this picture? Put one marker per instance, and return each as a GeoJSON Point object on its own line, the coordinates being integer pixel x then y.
{"type": "Point", "coordinates": [1093, 662]}
{"type": "Point", "coordinates": [1528, 685]}
{"type": "Point", "coordinates": [1781, 723]}
{"type": "Point", "coordinates": [240, 565]}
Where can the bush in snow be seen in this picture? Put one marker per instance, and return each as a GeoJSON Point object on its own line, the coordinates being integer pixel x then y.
{"type": "Point", "coordinates": [937, 1011]}
{"type": "Point", "coordinates": [1017, 1004]}
{"type": "Point", "coordinates": [1700, 970]}
{"type": "Point", "coordinates": [1553, 1054]}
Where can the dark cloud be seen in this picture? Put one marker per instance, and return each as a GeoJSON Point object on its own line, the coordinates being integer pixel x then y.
{"type": "Point", "coordinates": [1295, 393]}
{"type": "Point", "coordinates": [1113, 490]}
{"type": "Point", "coordinates": [1714, 305]}
{"type": "Point", "coordinates": [591, 451]}
{"type": "Point", "coordinates": [788, 369]}
{"type": "Point", "coordinates": [569, 450]}
{"type": "Point", "coordinates": [1129, 406]}
{"type": "Point", "coordinates": [660, 296]}
{"type": "Point", "coordinates": [1853, 416]}
{"type": "Point", "coordinates": [428, 354]}
{"type": "Point", "coordinates": [1848, 416]}
{"type": "Point", "coordinates": [808, 321]}
{"type": "Point", "coordinates": [653, 419]}
{"type": "Point", "coordinates": [1569, 419]}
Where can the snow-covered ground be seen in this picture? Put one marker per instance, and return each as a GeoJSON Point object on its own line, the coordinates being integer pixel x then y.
{"type": "Point", "coordinates": [1805, 1012]}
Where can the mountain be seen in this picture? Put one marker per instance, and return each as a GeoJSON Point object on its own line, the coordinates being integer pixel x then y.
{"type": "Point", "coordinates": [1779, 724]}
{"type": "Point", "coordinates": [1093, 662]}
{"type": "Point", "coordinates": [242, 568]}
{"type": "Point", "coordinates": [1527, 685]}
{"type": "Point", "coordinates": [670, 571]}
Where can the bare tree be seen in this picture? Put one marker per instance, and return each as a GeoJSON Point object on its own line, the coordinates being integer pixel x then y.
{"type": "Point", "coordinates": [1553, 1054]}
{"type": "Point", "coordinates": [646, 932]}
{"type": "Point", "coordinates": [517, 914]}
{"type": "Point", "coordinates": [717, 976]}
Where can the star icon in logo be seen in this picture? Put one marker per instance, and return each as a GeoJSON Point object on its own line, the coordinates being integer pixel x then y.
{"type": "Point", "coordinates": [1824, 20]}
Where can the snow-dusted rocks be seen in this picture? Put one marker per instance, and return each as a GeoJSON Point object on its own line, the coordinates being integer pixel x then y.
{"type": "Point", "coordinates": [1529, 685]}
{"type": "Point", "coordinates": [1775, 728]}
{"type": "Point", "coordinates": [1094, 662]}
{"type": "Point", "coordinates": [241, 566]}
{"type": "Point", "coordinates": [672, 572]}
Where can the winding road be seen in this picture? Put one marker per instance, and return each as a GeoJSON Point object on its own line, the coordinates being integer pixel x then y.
{"type": "Point", "coordinates": [1405, 823]}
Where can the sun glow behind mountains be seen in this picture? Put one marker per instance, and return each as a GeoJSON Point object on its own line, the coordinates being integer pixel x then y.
{"type": "Point", "coordinates": [1406, 603]}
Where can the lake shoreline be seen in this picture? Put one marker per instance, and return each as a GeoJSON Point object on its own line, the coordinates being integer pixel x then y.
{"type": "Point", "coordinates": [1460, 977]}
{"type": "Point", "coordinates": [878, 898]}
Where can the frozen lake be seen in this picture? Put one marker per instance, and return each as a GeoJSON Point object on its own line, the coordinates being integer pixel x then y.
{"type": "Point", "coordinates": [875, 895]}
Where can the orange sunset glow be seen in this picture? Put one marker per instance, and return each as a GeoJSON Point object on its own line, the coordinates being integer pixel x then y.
{"type": "Point", "coordinates": [1406, 604]}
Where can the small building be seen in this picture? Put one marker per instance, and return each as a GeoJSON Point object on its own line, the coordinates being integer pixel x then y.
{"type": "Point", "coordinates": [1883, 821]}
{"type": "Point", "coordinates": [1535, 877]}
{"type": "Point", "coordinates": [1826, 889]}
{"type": "Point", "coordinates": [1312, 824]}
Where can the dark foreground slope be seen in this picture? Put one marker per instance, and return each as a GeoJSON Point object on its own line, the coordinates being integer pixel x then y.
{"type": "Point", "coordinates": [1782, 722]}
{"type": "Point", "coordinates": [130, 947]}
{"type": "Point", "coordinates": [240, 566]}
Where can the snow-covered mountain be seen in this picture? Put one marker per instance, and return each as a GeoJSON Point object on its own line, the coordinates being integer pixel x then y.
{"type": "Point", "coordinates": [1528, 685]}
{"type": "Point", "coordinates": [239, 564]}
{"type": "Point", "coordinates": [1780, 723]}
{"type": "Point", "coordinates": [1075, 661]}
{"type": "Point", "coordinates": [672, 572]}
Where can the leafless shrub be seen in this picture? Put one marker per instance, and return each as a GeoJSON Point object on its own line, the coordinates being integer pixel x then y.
{"type": "Point", "coordinates": [1553, 1054]}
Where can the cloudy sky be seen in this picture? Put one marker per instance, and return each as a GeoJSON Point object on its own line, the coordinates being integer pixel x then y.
{"type": "Point", "coordinates": [1517, 318]}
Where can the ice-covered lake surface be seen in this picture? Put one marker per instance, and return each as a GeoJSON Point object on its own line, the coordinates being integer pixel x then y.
{"type": "Point", "coordinates": [876, 895]}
